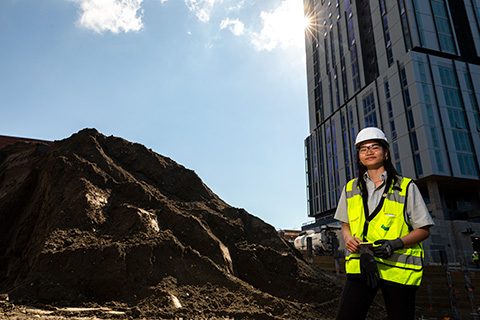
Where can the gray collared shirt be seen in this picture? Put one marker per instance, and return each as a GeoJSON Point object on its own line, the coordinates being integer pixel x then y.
{"type": "Point", "coordinates": [416, 209]}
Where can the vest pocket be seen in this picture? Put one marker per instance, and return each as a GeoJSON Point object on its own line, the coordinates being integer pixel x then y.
{"type": "Point", "coordinates": [354, 225]}
{"type": "Point", "coordinates": [387, 221]}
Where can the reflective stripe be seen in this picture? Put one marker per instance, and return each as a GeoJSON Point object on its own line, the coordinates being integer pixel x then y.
{"type": "Point", "coordinates": [394, 196]}
{"type": "Point", "coordinates": [405, 259]}
{"type": "Point", "coordinates": [352, 193]}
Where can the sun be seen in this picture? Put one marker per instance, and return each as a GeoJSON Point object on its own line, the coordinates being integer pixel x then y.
{"type": "Point", "coordinates": [310, 24]}
{"type": "Point", "coordinates": [284, 26]}
{"type": "Point", "coordinates": [307, 22]}
{"type": "Point", "coordinates": [296, 22]}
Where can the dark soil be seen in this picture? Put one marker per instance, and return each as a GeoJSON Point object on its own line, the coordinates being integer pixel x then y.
{"type": "Point", "coordinates": [109, 226]}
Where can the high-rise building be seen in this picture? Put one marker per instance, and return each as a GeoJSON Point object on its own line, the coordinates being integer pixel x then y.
{"type": "Point", "coordinates": [411, 68]}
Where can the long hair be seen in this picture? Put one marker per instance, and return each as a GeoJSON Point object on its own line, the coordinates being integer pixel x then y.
{"type": "Point", "coordinates": [392, 174]}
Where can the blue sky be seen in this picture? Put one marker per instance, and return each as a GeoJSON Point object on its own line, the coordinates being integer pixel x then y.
{"type": "Point", "coordinates": [219, 86]}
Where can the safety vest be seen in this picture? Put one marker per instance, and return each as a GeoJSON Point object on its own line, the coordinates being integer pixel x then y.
{"type": "Point", "coordinates": [388, 221]}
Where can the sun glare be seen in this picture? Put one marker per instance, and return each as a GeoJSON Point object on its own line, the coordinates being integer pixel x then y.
{"type": "Point", "coordinates": [307, 22]}
{"type": "Point", "coordinates": [310, 24]}
{"type": "Point", "coordinates": [298, 23]}
{"type": "Point", "coordinates": [284, 27]}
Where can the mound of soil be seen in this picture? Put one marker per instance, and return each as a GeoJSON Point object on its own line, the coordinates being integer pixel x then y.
{"type": "Point", "coordinates": [99, 221]}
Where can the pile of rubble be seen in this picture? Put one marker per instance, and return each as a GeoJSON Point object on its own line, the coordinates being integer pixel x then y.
{"type": "Point", "coordinates": [106, 225]}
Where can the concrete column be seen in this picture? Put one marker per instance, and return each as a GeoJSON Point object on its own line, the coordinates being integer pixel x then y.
{"type": "Point", "coordinates": [435, 204]}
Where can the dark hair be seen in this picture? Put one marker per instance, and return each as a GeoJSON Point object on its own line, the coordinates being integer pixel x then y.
{"type": "Point", "coordinates": [392, 174]}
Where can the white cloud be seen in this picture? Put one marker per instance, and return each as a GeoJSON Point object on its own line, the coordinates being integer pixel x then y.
{"type": "Point", "coordinates": [201, 8]}
{"type": "Point", "coordinates": [111, 15]}
{"type": "Point", "coordinates": [237, 6]}
{"type": "Point", "coordinates": [235, 26]}
{"type": "Point", "coordinates": [282, 27]}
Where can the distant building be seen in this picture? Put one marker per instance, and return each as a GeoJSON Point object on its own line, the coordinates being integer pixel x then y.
{"type": "Point", "coordinates": [6, 140]}
{"type": "Point", "coordinates": [289, 235]}
{"type": "Point", "coordinates": [411, 68]}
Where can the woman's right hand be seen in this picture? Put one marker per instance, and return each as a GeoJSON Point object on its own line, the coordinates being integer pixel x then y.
{"type": "Point", "coordinates": [353, 244]}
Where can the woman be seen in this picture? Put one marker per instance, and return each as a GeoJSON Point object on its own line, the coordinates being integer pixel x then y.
{"type": "Point", "coordinates": [384, 220]}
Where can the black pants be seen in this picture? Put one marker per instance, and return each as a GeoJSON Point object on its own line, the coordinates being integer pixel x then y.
{"type": "Point", "coordinates": [357, 297]}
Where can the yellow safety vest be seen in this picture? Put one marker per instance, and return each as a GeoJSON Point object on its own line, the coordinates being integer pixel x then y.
{"type": "Point", "coordinates": [388, 221]}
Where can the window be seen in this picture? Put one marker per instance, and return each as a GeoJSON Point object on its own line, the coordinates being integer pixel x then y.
{"type": "Point", "coordinates": [462, 141]}
{"type": "Point", "coordinates": [389, 109]}
{"type": "Point", "coordinates": [438, 158]}
{"type": "Point", "coordinates": [352, 46]}
{"type": "Point", "coordinates": [442, 24]}
{"type": "Point", "coordinates": [433, 132]}
{"type": "Point", "coordinates": [418, 165]}
{"type": "Point", "coordinates": [457, 119]}
{"type": "Point", "coordinates": [383, 8]}
{"type": "Point", "coordinates": [467, 164]}
{"type": "Point", "coordinates": [342, 63]}
{"type": "Point", "coordinates": [351, 34]}
{"type": "Point", "coordinates": [431, 116]}
{"type": "Point", "coordinates": [426, 93]}
{"type": "Point", "coordinates": [330, 92]}
{"type": "Point", "coordinates": [421, 70]}
{"type": "Point", "coordinates": [327, 60]}
{"type": "Point", "coordinates": [476, 8]}
{"type": "Point", "coordinates": [404, 83]}
{"type": "Point", "coordinates": [473, 100]}
{"type": "Point", "coordinates": [414, 139]}
{"type": "Point", "coordinates": [355, 70]}
{"type": "Point", "coordinates": [405, 26]}
{"type": "Point", "coordinates": [403, 78]}
{"type": "Point", "coordinates": [398, 166]}
{"type": "Point", "coordinates": [390, 56]}
{"type": "Point", "coordinates": [386, 33]}
{"type": "Point", "coordinates": [393, 130]}
{"type": "Point", "coordinates": [419, 23]}
{"type": "Point", "coordinates": [411, 120]}
{"type": "Point", "coordinates": [369, 111]}
{"type": "Point", "coordinates": [332, 47]}
{"type": "Point", "coordinates": [452, 97]}
{"type": "Point", "coordinates": [386, 86]}
{"type": "Point", "coordinates": [411, 123]}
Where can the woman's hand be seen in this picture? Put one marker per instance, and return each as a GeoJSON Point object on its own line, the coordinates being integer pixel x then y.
{"type": "Point", "coordinates": [351, 243]}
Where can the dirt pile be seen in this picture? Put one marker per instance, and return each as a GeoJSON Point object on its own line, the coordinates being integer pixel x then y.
{"type": "Point", "coordinates": [96, 220]}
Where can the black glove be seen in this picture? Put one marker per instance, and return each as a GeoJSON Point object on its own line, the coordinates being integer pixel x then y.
{"type": "Point", "coordinates": [387, 247]}
{"type": "Point", "coordinates": [368, 266]}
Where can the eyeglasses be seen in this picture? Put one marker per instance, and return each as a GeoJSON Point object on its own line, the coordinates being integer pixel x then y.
{"type": "Point", "coordinates": [373, 147]}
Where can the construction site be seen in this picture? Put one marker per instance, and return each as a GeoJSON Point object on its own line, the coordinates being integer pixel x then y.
{"type": "Point", "coordinates": [97, 227]}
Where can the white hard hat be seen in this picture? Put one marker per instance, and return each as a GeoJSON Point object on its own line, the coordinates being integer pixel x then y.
{"type": "Point", "coordinates": [370, 133]}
